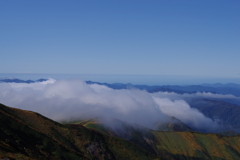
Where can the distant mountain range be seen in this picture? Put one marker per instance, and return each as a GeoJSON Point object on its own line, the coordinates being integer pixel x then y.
{"type": "Point", "coordinates": [230, 88]}
{"type": "Point", "coordinates": [225, 113]}
{"type": "Point", "coordinates": [16, 80]}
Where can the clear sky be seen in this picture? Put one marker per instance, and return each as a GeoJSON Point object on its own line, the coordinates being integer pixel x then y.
{"type": "Point", "coordinates": [129, 37]}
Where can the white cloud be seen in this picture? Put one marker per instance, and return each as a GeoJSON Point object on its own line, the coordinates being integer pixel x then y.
{"type": "Point", "coordinates": [74, 99]}
{"type": "Point", "coordinates": [182, 111]}
{"type": "Point", "coordinates": [174, 95]}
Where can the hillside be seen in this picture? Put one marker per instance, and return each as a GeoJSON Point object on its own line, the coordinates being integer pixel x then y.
{"type": "Point", "coordinates": [174, 125]}
{"type": "Point", "coordinates": [180, 145]}
{"type": "Point", "coordinates": [226, 113]}
{"type": "Point", "coordinates": [28, 135]}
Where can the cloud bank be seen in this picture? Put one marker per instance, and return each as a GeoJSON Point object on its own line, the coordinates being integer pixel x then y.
{"type": "Point", "coordinates": [76, 100]}
{"type": "Point", "coordinates": [173, 95]}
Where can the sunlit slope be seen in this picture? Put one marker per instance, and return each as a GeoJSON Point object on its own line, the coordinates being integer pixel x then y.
{"type": "Point", "coordinates": [28, 135]}
{"type": "Point", "coordinates": [197, 145]}
{"type": "Point", "coordinates": [180, 145]}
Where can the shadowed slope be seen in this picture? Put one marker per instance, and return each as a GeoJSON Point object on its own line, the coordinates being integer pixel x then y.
{"type": "Point", "coordinates": [228, 113]}
{"type": "Point", "coordinates": [28, 135]}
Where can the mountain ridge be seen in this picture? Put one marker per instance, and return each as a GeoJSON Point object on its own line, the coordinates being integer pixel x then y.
{"type": "Point", "coordinates": [29, 135]}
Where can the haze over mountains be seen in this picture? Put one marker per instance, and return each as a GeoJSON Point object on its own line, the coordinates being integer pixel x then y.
{"type": "Point", "coordinates": [71, 100]}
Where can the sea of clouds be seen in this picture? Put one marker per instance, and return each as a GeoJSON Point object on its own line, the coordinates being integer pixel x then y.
{"type": "Point", "coordinates": [70, 100]}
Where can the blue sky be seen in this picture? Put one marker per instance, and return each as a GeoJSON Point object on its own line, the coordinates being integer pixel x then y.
{"type": "Point", "coordinates": [122, 37]}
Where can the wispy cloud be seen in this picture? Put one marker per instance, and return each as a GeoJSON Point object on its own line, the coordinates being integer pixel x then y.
{"type": "Point", "coordinates": [173, 95]}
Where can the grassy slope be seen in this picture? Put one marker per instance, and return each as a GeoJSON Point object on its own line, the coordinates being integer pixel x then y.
{"type": "Point", "coordinates": [184, 145]}
{"type": "Point", "coordinates": [197, 145]}
{"type": "Point", "coordinates": [174, 125]}
{"type": "Point", "coordinates": [28, 135]}
{"type": "Point", "coordinates": [21, 141]}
